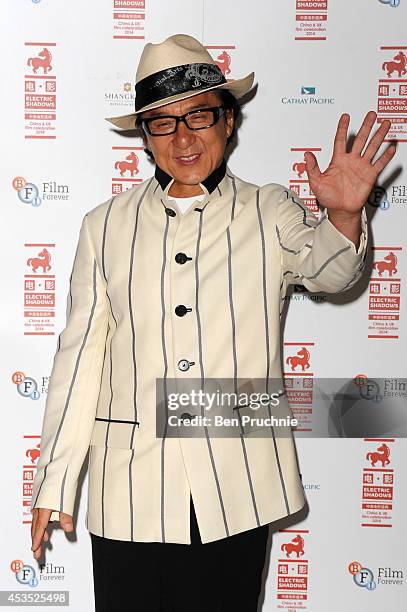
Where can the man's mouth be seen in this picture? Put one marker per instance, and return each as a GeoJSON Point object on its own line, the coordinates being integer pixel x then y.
{"type": "Point", "coordinates": [188, 159]}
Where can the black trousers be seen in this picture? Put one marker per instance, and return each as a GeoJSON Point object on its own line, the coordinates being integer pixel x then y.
{"type": "Point", "coordinates": [220, 576]}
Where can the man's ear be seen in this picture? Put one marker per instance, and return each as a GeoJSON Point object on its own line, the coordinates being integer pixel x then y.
{"type": "Point", "coordinates": [230, 121]}
{"type": "Point", "coordinates": [143, 136]}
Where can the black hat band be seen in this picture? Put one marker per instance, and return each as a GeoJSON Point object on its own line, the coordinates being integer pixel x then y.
{"type": "Point", "coordinates": [177, 80]}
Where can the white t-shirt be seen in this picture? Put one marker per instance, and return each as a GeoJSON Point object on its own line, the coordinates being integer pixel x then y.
{"type": "Point", "coordinates": [184, 203]}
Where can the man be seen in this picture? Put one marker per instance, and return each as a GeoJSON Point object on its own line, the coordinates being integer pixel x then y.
{"type": "Point", "coordinates": [161, 293]}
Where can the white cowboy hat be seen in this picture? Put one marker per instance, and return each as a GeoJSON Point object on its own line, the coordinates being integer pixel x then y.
{"type": "Point", "coordinates": [177, 68]}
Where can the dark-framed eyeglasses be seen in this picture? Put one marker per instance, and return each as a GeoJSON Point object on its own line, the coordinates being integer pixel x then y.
{"type": "Point", "coordinates": [198, 119]}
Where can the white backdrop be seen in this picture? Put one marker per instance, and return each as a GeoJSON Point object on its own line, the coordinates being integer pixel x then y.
{"type": "Point", "coordinates": [66, 66]}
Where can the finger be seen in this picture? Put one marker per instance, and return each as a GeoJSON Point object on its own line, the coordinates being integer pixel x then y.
{"type": "Point", "coordinates": [384, 159]}
{"type": "Point", "coordinates": [39, 529]}
{"type": "Point", "coordinates": [38, 535]}
{"type": "Point", "coordinates": [37, 553]}
{"type": "Point", "coordinates": [363, 133]}
{"type": "Point", "coordinates": [37, 541]}
{"type": "Point", "coordinates": [377, 140]}
{"type": "Point", "coordinates": [311, 166]}
{"type": "Point", "coordinates": [33, 522]}
{"type": "Point", "coordinates": [38, 550]}
{"type": "Point", "coordinates": [65, 521]}
{"type": "Point", "coordinates": [341, 135]}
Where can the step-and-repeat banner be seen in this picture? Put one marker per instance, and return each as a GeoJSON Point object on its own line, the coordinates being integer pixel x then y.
{"type": "Point", "coordinates": [66, 66]}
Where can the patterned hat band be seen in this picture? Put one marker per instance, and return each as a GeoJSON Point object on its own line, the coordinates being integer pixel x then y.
{"type": "Point", "coordinates": [177, 80]}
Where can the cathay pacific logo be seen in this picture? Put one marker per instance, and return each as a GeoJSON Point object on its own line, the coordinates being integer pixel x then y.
{"type": "Point", "coordinates": [308, 95]}
{"type": "Point", "coordinates": [308, 91]}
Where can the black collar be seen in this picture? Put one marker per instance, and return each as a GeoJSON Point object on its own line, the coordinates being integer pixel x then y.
{"type": "Point", "coordinates": [211, 182]}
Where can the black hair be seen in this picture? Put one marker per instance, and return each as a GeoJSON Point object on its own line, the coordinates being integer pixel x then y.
{"type": "Point", "coordinates": [226, 98]}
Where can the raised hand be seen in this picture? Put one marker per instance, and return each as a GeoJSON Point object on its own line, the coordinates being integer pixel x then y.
{"type": "Point", "coordinates": [347, 182]}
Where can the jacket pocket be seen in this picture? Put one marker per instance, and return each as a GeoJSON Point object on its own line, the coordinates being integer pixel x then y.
{"type": "Point", "coordinates": [114, 434]}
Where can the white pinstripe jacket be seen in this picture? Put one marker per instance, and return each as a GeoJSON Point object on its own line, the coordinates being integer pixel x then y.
{"type": "Point", "coordinates": [230, 259]}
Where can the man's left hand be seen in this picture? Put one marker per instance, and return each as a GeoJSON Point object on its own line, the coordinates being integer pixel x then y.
{"type": "Point", "coordinates": [347, 182]}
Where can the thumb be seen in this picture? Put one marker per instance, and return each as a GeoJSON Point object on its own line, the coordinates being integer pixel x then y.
{"type": "Point", "coordinates": [311, 166]}
{"type": "Point", "coordinates": [66, 522]}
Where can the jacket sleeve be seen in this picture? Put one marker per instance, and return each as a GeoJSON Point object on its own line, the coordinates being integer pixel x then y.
{"type": "Point", "coordinates": [313, 252]}
{"type": "Point", "coordinates": [74, 384]}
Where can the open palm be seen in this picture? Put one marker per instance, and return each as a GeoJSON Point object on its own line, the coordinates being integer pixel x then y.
{"type": "Point", "coordinates": [347, 182]}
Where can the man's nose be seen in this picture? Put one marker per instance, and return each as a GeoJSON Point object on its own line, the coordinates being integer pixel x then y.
{"type": "Point", "coordinates": [183, 137]}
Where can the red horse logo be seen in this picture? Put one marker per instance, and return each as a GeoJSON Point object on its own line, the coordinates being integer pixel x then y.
{"type": "Point", "coordinates": [382, 454]}
{"type": "Point", "coordinates": [389, 264]}
{"type": "Point", "coordinates": [42, 261]}
{"type": "Point", "coordinates": [397, 65]}
{"type": "Point", "coordinates": [296, 545]}
{"type": "Point", "coordinates": [130, 164]}
{"type": "Point", "coordinates": [299, 168]}
{"type": "Point", "coordinates": [300, 359]}
{"type": "Point", "coordinates": [42, 61]}
{"type": "Point", "coordinates": [223, 62]}
{"type": "Point", "coordinates": [33, 453]}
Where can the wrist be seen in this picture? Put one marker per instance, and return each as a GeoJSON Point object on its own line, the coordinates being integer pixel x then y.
{"type": "Point", "coordinates": [349, 224]}
{"type": "Point", "coordinates": [344, 216]}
